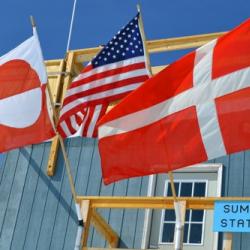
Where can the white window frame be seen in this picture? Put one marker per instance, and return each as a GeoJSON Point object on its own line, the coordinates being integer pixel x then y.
{"type": "Point", "coordinates": [189, 222]}
{"type": "Point", "coordinates": [204, 168]}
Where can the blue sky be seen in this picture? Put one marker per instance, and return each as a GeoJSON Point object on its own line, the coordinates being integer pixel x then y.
{"type": "Point", "coordinates": [96, 21]}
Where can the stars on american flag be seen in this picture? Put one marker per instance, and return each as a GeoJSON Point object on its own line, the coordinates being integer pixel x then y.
{"type": "Point", "coordinates": [127, 43]}
{"type": "Point", "coordinates": [117, 69]}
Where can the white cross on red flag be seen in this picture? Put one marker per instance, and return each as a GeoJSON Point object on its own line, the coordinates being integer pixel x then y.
{"type": "Point", "coordinates": [196, 109]}
{"type": "Point", "coordinates": [24, 106]}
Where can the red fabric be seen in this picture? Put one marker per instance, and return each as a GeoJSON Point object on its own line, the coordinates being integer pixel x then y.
{"type": "Point", "coordinates": [234, 116]}
{"type": "Point", "coordinates": [156, 148]}
{"type": "Point", "coordinates": [175, 141]}
{"type": "Point", "coordinates": [17, 77]}
{"type": "Point", "coordinates": [173, 80]}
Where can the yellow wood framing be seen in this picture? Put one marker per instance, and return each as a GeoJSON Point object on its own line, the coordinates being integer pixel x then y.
{"type": "Point", "coordinates": [90, 215]}
{"type": "Point", "coordinates": [227, 241]}
{"type": "Point", "coordinates": [86, 212]}
{"type": "Point", "coordinates": [60, 74]}
{"type": "Point", "coordinates": [89, 204]}
{"type": "Point", "coordinates": [63, 79]}
{"type": "Point", "coordinates": [155, 202]}
{"type": "Point", "coordinates": [156, 46]}
{"type": "Point", "coordinates": [104, 229]}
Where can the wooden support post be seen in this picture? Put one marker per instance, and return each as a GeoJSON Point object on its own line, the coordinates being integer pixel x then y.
{"type": "Point", "coordinates": [60, 94]}
{"type": "Point", "coordinates": [104, 229]}
{"type": "Point", "coordinates": [227, 241]}
{"type": "Point", "coordinates": [86, 216]}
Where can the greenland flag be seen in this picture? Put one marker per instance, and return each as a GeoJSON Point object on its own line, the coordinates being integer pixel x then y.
{"type": "Point", "coordinates": [194, 110]}
{"type": "Point", "coordinates": [24, 105]}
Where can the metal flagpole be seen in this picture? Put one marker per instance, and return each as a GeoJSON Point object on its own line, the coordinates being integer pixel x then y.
{"type": "Point", "coordinates": [71, 25]}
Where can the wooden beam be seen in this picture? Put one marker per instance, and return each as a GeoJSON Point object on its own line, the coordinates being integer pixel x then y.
{"type": "Point", "coordinates": [155, 202]}
{"type": "Point", "coordinates": [179, 43]}
{"type": "Point", "coordinates": [76, 57]}
{"type": "Point", "coordinates": [227, 241]}
{"type": "Point", "coordinates": [156, 46]}
{"type": "Point", "coordinates": [104, 229]}
{"type": "Point", "coordinates": [86, 212]}
{"type": "Point", "coordinates": [63, 82]}
{"type": "Point", "coordinates": [156, 69]}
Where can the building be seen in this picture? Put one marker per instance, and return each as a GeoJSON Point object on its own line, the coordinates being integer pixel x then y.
{"type": "Point", "coordinates": [38, 212]}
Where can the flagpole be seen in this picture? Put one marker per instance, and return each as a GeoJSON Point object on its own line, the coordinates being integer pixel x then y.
{"type": "Point", "coordinates": [141, 27]}
{"type": "Point", "coordinates": [60, 138]}
{"type": "Point", "coordinates": [71, 25]}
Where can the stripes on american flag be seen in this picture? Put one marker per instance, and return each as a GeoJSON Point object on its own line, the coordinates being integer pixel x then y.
{"type": "Point", "coordinates": [117, 69]}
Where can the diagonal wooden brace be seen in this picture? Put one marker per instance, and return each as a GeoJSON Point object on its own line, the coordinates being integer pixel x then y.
{"type": "Point", "coordinates": [62, 83]}
{"type": "Point", "coordinates": [90, 215]}
{"type": "Point", "coordinates": [104, 229]}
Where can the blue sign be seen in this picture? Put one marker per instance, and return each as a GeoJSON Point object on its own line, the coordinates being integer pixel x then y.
{"type": "Point", "coordinates": [232, 216]}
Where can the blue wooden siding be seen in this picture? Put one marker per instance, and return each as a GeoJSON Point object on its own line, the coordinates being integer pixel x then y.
{"type": "Point", "coordinates": [37, 212]}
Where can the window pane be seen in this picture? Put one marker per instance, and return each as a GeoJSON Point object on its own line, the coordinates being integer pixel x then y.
{"type": "Point", "coordinates": [176, 185]}
{"type": "Point", "coordinates": [199, 189]}
{"type": "Point", "coordinates": [186, 189]}
{"type": "Point", "coordinates": [169, 193]}
{"type": "Point", "coordinates": [195, 233]}
{"type": "Point", "coordinates": [168, 232]}
{"type": "Point", "coordinates": [186, 226]}
{"type": "Point", "coordinates": [169, 215]}
{"type": "Point", "coordinates": [187, 215]}
{"type": "Point", "coordinates": [197, 215]}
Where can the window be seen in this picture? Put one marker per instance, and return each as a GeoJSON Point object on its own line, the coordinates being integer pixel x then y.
{"type": "Point", "coordinates": [194, 219]}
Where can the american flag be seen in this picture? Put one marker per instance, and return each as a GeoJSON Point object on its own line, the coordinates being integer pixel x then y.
{"type": "Point", "coordinates": [117, 69]}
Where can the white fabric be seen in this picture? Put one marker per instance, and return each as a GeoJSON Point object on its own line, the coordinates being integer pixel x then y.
{"type": "Point", "coordinates": [21, 110]}
{"type": "Point", "coordinates": [94, 120]}
{"type": "Point", "coordinates": [29, 51]}
{"type": "Point", "coordinates": [206, 112]}
{"type": "Point", "coordinates": [115, 65]}
{"type": "Point", "coordinates": [99, 95]}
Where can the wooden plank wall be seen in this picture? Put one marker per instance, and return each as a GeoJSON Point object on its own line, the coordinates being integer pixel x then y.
{"type": "Point", "coordinates": [37, 211]}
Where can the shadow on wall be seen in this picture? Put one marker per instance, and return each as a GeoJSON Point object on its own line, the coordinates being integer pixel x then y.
{"type": "Point", "coordinates": [49, 183]}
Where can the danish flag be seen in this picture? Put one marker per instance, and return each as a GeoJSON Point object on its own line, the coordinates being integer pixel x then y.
{"type": "Point", "coordinates": [24, 107]}
{"type": "Point", "coordinates": [196, 109]}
